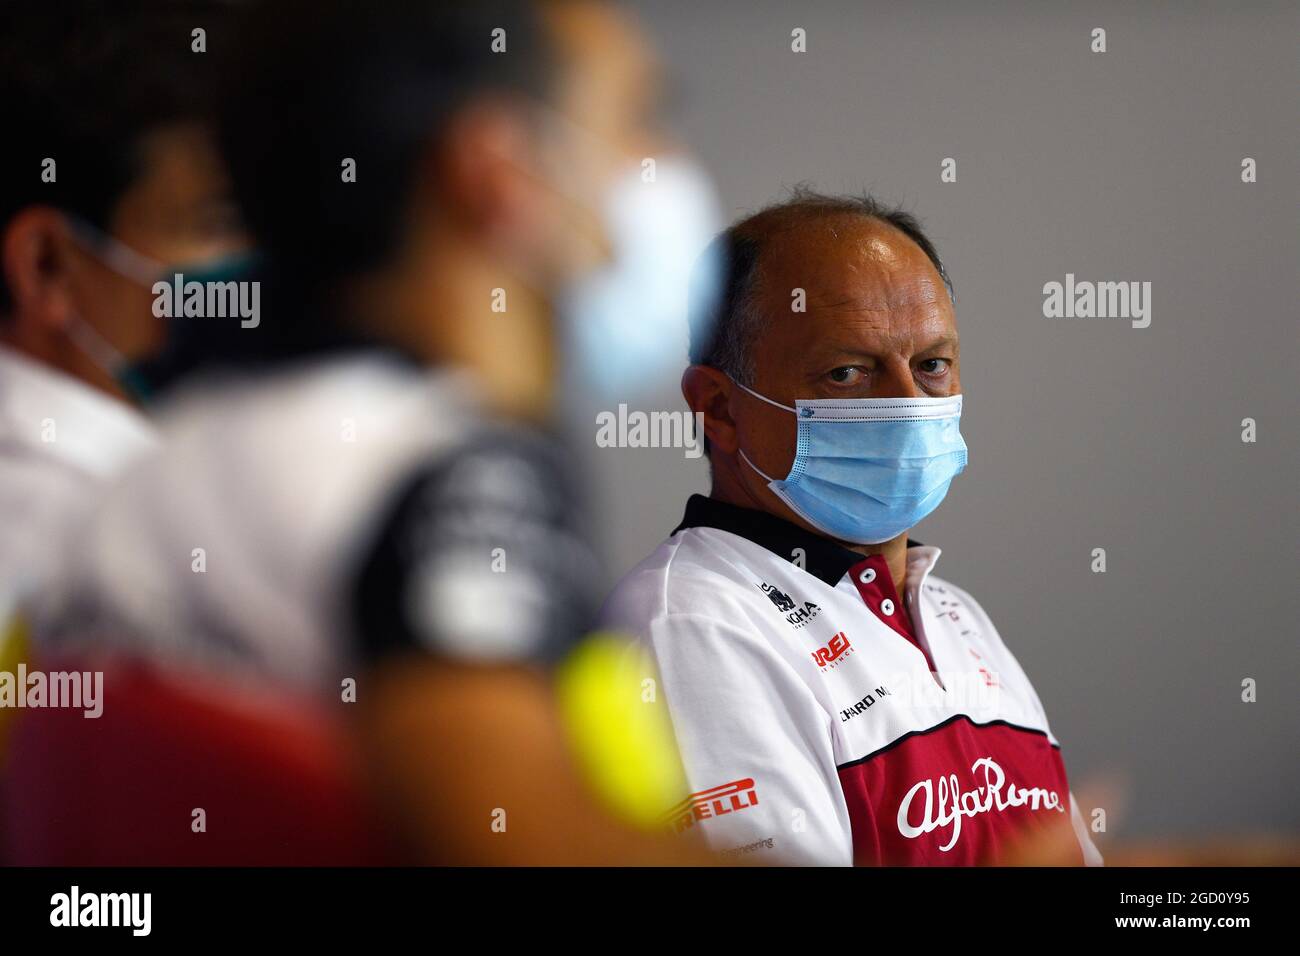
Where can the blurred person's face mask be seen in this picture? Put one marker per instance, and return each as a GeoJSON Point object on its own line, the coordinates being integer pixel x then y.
{"type": "Point", "coordinates": [143, 270]}
{"type": "Point", "coordinates": [626, 320]}
{"type": "Point", "coordinates": [867, 469]}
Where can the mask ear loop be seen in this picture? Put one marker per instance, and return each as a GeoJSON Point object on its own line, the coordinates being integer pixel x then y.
{"type": "Point", "coordinates": [769, 401]}
{"type": "Point", "coordinates": [762, 473]}
{"type": "Point", "coordinates": [116, 254]}
{"type": "Point", "coordinates": [126, 262]}
{"type": "Point", "coordinates": [792, 411]}
{"type": "Point", "coordinates": [106, 358]}
{"type": "Point", "coordinates": [97, 348]}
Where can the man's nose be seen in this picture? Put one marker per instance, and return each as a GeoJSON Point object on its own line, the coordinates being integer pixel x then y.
{"type": "Point", "coordinates": [895, 380]}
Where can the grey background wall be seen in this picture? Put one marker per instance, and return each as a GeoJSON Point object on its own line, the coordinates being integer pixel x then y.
{"type": "Point", "coordinates": [1083, 433]}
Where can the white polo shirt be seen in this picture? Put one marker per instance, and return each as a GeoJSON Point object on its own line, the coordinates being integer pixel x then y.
{"type": "Point", "coordinates": [60, 441]}
{"type": "Point", "coordinates": [824, 719]}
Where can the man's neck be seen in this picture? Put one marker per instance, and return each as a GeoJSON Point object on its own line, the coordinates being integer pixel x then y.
{"type": "Point", "coordinates": [453, 307]}
{"type": "Point", "coordinates": [60, 355]}
{"type": "Point", "coordinates": [895, 554]}
{"type": "Point", "coordinates": [727, 488]}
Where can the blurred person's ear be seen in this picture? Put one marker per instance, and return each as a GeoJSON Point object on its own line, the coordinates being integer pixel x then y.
{"type": "Point", "coordinates": [37, 253]}
{"type": "Point", "coordinates": [478, 178]}
{"type": "Point", "coordinates": [534, 178]}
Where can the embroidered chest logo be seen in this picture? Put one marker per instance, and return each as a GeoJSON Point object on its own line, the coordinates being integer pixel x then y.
{"type": "Point", "coordinates": [833, 654]}
{"type": "Point", "coordinates": [944, 804]}
{"type": "Point", "coordinates": [796, 615]}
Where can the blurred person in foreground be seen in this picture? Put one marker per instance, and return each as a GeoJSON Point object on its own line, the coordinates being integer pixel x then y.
{"type": "Point", "coordinates": [358, 495]}
{"type": "Point", "coordinates": [111, 180]}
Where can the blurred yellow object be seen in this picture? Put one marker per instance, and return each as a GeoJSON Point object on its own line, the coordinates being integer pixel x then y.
{"type": "Point", "coordinates": [619, 727]}
{"type": "Point", "coordinates": [13, 651]}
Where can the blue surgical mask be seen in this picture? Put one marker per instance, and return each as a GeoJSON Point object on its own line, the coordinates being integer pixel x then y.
{"type": "Point", "coordinates": [868, 469]}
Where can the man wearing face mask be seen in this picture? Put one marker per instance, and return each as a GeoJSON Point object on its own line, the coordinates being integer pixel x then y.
{"type": "Point", "coordinates": [365, 477]}
{"type": "Point", "coordinates": [834, 701]}
{"type": "Point", "coordinates": [110, 171]}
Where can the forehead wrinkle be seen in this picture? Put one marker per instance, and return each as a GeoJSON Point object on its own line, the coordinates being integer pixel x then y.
{"type": "Point", "coordinates": [904, 296]}
{"type": "Point", "coordinates": [882, 330]}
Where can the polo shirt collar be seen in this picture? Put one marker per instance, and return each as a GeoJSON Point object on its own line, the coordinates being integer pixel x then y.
{"type": "Point", "coordinates": [823, 558]}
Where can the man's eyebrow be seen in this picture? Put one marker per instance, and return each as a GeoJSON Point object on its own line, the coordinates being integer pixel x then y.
{"type": "Point", "coordinates": [942, 342]}
{"type": "Point", "coordinates": [946, 341]}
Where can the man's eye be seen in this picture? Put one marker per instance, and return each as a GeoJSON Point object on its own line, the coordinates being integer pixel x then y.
{"type": "Point", "coordinates": [846, 375]}
{"type": "Point", "coordinates": [934, 366]}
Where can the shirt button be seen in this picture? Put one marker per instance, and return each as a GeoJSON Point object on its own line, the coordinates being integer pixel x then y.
{"type": "Point", "coordinates": [886, 607]}
{"type": "Point", "coordinates": [867, 576]}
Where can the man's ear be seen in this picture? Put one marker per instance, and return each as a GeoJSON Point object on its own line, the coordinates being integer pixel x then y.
{"type": "Point", "coordinates": [708, 392]}
{"type": "Point", "coordinates": [35, 254]}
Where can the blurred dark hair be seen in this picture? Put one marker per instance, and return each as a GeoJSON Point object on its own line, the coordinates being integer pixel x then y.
{"type": "Point", "coordinates": [316, 83]}
{"type": "Point", "coordinates": [82, 82]}
{"type": "Point", "coordinates": [309, 84]}
{"type": "Point", "coordinates": [723, 332]}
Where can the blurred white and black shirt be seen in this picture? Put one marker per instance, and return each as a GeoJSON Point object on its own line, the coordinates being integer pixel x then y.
{"type": "Point", "coordinates": [60, 441]}
{"type": "Point", "coordinates": [335, 510]}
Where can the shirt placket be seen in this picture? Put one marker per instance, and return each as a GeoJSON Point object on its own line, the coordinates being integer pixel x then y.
{"type": "Point", "coordinates": [875, 585]}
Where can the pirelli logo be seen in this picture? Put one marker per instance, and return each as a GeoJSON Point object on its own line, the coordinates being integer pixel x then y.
{"type": "Point", "coordinates": [834, 652]}
{"type": "Point", "coordinates": [719, 801]}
